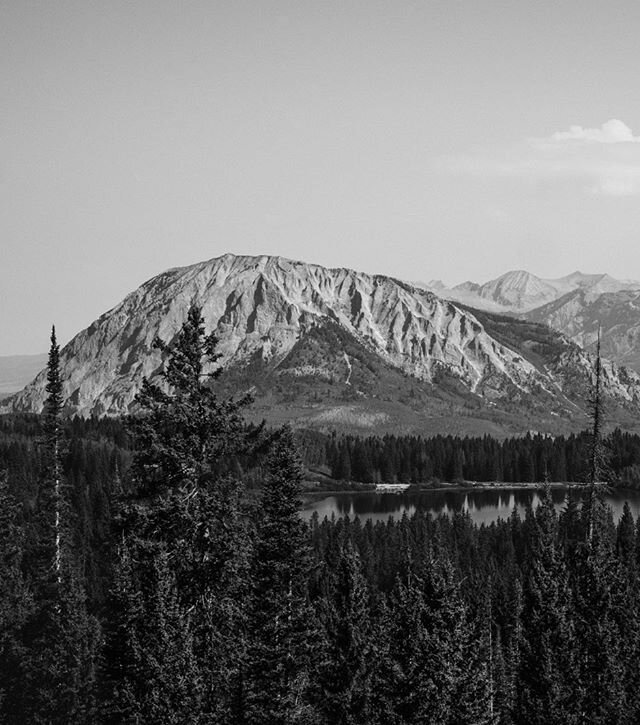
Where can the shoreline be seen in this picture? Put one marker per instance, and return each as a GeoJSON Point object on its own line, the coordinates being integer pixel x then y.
{"type": "Point", "coordinates": [454, 487]}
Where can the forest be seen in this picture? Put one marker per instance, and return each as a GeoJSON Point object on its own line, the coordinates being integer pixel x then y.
{"type": "Point", "coordinates": [156, 570]}
{"type": "Point", "coordinates": [413, 459]}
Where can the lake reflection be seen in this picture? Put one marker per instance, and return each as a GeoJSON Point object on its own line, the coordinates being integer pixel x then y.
{"type": "Point", "coordinates": [484, 506]}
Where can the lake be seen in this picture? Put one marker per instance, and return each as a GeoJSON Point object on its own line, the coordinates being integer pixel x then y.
{"type": "Point", "coordinates": [484, 506]}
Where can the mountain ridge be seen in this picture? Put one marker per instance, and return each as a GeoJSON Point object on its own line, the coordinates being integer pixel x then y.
{"type": "Point", "coordinates": [519, 291]}
{"type": "Point", "coordinates": [270, 312]}
{"type": "Point", "coordinates": [576, 305]}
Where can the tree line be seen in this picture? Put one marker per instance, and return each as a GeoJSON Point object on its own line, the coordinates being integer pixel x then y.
{"type": "Point", "coordinates": [144, 578]}
{"type": "Point", "coordinates": [414, 459]}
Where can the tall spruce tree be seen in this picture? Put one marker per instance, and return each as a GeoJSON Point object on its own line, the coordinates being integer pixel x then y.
{"type": "Point", "coordinates": [281, 629]}
{"type": "Point", "coordinates": [60, 635]}
{"type": "Point", "coordinates": [184, 518]}
{"type": "Point", "coordinates": [150, 673]}
{"type": "Point", "coordinates": [596, 587]}
{"type": "Point", "coordinates": [347, 662]}
{"type": "Point", "coordinates": [431, 670]}
{"type": "Point", "coordinates": [547, 689]}
{"type": "Point", "coordinates": [184, 429]}
{"type": "Point", "coordinates": [599, 470]}
{"type": "Point", "coordinates": [49, 519]}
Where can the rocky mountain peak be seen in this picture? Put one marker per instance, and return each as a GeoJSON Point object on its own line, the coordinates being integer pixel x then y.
{"type": "Point", "coordinates": [262, 305]}
{"type": "Point", "coordinates": [517, 289]}
{"type": "Point", "coordinates": [295, 321]}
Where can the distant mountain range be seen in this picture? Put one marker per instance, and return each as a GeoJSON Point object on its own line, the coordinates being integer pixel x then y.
{"type": "Point", "coordinates": [18, 370]}
{"type": "Point", "coordinates": [519, 291]}
{"type": "Point", "coordinates": [575, 305]}
{"type": "Point", "coordinates": [336, 348]}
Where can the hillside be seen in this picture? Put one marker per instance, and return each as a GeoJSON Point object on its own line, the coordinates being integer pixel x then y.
{"type": "Point", "coordinates": [580, 313]}
{"type": "Point", "coordinates": [339, 348]}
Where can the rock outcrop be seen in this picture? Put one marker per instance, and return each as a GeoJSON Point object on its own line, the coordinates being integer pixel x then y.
{"type": "Point", "coordinates": [264, 310]}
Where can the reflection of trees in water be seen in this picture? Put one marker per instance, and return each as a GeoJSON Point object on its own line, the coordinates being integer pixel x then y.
{"type": "Point", "coordinates": [363, 504]}
{"type": "Point", "coordinates": [483, 506]}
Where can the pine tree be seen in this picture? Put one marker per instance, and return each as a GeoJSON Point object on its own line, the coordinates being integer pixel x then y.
{"type": "Point", "coordinates": [430, 673]}
{"type": "Point", "coordinates": [599, 471]}
{"type": "Point", "coordinates": [60, 635]}
{"type": "Point", "coordinates": [15, 605]}
{"type": "Point", "coordinates": [625, 612]}
{"type": "Point", "coordinates": [281, 633]}
{"type": "Point", "coordinates": [348, 660]}
{"type": "Point", "coordinates": [546, 687]}
{"type": "Point", "coordinates": [49, 519]}
{"type": "Point", "coordinates": [183, 427]}
{"type": "Point", "coordinates": [151, 674]}
{"type": "Point", "coordinates": [597, 465]}
{"type": "Point", "coordinates": [596, 584]}
{"type": "Point", "coordinates": [186, 513]}
{"type": "Point", "coordinates": [220, 593]}
{"type": "Point", "coordinates": [626, 539]}
{"type": "Point", "coordinates": [122, 676]}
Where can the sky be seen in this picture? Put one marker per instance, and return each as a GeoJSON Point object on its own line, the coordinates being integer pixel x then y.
{"type": "Point", "coordinates": [426, 140]}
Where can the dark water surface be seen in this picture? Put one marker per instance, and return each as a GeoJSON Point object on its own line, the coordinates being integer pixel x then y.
{"type": "Point", "coordinates": [484, 506]}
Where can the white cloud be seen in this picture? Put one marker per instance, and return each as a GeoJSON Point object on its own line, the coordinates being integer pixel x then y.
{"type": "Point", "coordinates": [603, 161]}
{"type": "Point", "coordinates": [612, 131]}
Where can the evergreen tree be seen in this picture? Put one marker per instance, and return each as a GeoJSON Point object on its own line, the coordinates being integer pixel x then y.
{"type": "Point", "coordinates": [625, 612]}
{"type": "Point", "coordinates": [599, 471]}
{"type": "Point", "coordinates": [281, 632]}
{"type": "Point", "coordinates": [596, 584]}
{"type": "Point", "coordinates": [123, 680]}
{"type": "Point", "coordinates": [430, 673]}
{"type": "Point", "coordinates": [220, 595]}
{"type": "Point", "coordinates": [151, 674]}
{"type": "Point", "coordinates": [60, 636]}
{"type": "Point", "coordinates": [597, 457]}
{"type": "Point", "coordinates": [547, 689]}
{"type": "Point", "coordinates": [349, 648]}
{"type": "Point", "coordinates": [184, 429]}
{"type": "Point", "coordinates": [626, 538]}
{"type": "Point", "coordinates": [15, 604]}
{"type": "Point", "coordinates": [185, 528]}
{"type": "Point", "coordinates": [49, 520]}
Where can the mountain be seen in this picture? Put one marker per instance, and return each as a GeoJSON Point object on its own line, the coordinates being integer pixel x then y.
{"type": "Point", "coordinates": [340, 348]}
{"type": "Point", "coordinates": [17, 370]}
{"type": "Point", "coordinates": [574, 305]}
{"type": "Point", "coordinates": [433, 285]}
{"type": "Point", "coordinates": [581, 312]}
{"type": "Point", "coordinates": [519, 291]}
{"type": "Point", "coordinates": [515, 290]}
{"type": "Point", "coordinates": [596, 283]}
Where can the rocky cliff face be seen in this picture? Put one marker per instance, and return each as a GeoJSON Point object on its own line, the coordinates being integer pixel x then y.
{"type": "Point", "coordinates": [580, 313]}
{"type": "Point", "coordinates": [264, 311]}
{"type": "Point", "coordinates": [574, 305]}
{"type": "Point", "coordinates": [262, 304]}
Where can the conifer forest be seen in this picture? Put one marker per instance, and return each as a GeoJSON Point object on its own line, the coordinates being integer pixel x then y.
{"type": "Point", "coordinates": [156, 570]}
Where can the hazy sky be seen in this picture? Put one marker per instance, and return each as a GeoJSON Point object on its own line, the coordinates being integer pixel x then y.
{"type": "Point", "coordinates": [424, 140]}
